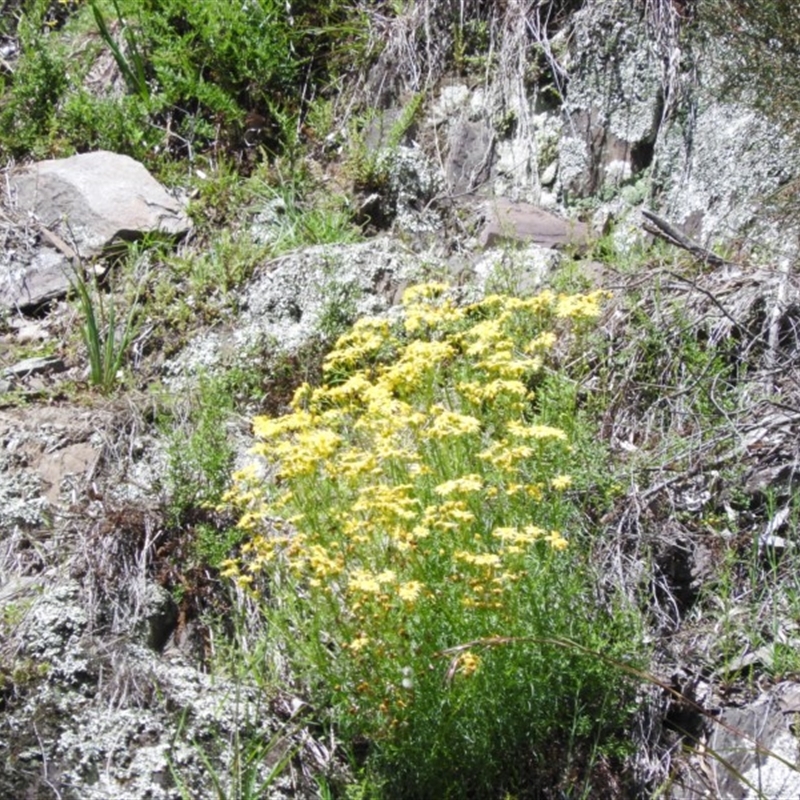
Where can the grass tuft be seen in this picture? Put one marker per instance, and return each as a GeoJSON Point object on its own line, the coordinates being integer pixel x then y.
{"type": "Point", "coordinates": [106, 344]}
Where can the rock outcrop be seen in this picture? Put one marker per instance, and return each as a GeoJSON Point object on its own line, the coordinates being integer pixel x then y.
{"type": "Point", "coordinates": [93, 200]}
{"type": "Point", "coordinates": [81, 207]}
{"type": "Point", "coordinates": [501, 181]}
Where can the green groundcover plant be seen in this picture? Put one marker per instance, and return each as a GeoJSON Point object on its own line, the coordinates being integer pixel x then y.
{"type": "Point", "coordinates": [197, 78]}
{"type": "Point", "coordinates": [415, 558]}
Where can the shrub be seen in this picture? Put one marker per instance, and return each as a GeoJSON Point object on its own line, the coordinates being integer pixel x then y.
{"type": "Point", "coordinates": [420, 555]}
{"type": "Point", "coordinates": [200, 453]}
{"type": "Point", "coordinates": [194, 72]}
{"type": "Point", "coordinates": [30, 99]}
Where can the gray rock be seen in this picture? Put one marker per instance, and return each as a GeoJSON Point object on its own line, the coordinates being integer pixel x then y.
{"type": "Point", "coordinates": [451, 101]}
{"type": "Point", "coordinates": [614, 102]}
{"type": "Point", "coordinates": [295, 297]}
{"type": "Point", "coordinates": [22, 500]}
{"type": "Point", "coordinates": [520, 271]}
{"type": "Point", "coordinates": [709, 162]}
{"type": "Point", "coordinates": [549, 174]}
{"type": "Point", "coordinates": [45, 454]}
{"type": "Point", "coordinates": [414, 183]}
{"type": "Point", "coordinates": [27, 287]}
{"type": "Point", "coordinates": [716, 188]}
{"type": "Point", "coordinates": [140, 728]}
{"type": "Point", "coordinates": [37, 365]}
{"type": "Point", "coordinates": [96, 199]}
{"type": "Point", "coordinates": [751, 753]}
{"type": "Point", "coordinates": [160, 614]}
{"type": "Point", "coordinates": [28, 331]}
{"type": "Point", "coordinates": [469, 156]}
{"type": "Point", "coordinates": [56, 621]}
{"type": "Point", "coordinates": [522, 222]}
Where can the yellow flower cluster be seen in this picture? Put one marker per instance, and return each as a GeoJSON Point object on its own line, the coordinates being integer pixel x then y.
{"type": "Point", "coordinates": [581, 306]}
{"type": "Point", "coordinates": [411, 480]}
{"type": "Point", "coordinates": [468, 663]}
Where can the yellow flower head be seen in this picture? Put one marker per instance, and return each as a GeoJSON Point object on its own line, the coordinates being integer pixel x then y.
{"type": "Point", "coordinates": [580, 306]}
{"type": "Point", "coordinates": [556, 541]}
{"type": "Point", "coordinates": [450, 515]}
{"type": "Point", "coordinates": [544, 341]}
{"type": "Point", "coordinates": [468, 663]}
{"type": "Point", "coordinates": [561, 482]}
{"type": "Point", "coordinates": [368, 582]}
{"type": "Point", "coordinates": [535, 431]}
{"type": "Point", "coordinates": [478, 559]}
{"type": "Point", "coordinates": [462, 485]}
{"type": "Point", "coordinates": [358, 644]}
{"type": "Point", "coordinates": [450, 423]}
{"type": "Point", "coordinates": [410, 591]}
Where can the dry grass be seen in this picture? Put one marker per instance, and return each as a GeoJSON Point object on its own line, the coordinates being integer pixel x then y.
{"type": "Point", "coordinates": [700, 380]}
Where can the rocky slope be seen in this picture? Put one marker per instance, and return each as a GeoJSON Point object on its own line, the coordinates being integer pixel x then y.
{"type": "Point", "coordinates": [535, 170]}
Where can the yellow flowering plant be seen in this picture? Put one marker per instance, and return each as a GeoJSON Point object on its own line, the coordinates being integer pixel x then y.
{"type": "Point", "coordinates": [422, 498]}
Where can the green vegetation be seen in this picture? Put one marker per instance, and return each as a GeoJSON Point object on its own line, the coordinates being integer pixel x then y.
{"type": "Point", "coordinates": [209, 78]}
{"type": "Point", "coordinates": [200, 452]}
{"type": "Point", "coordinates": [422, 555]}
{"type": "Point", "coordinates": [369, 164]}
{"type": "Point", "coordinates": [754, 596]}
{"type": "Point", "coordinates": [257, 763]}
{"type": "Point", "coordinates": [106, 343]}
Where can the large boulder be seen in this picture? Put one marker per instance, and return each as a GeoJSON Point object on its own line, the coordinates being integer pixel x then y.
{"type": "Point", "coordinates": [78, 207]}
{"type": "Point", "coordinates": [94, 200]}
{"type": "Point", "coordinates": [614, 103]}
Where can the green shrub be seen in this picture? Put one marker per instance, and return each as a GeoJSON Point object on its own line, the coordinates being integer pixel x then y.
{"type": "Point", "coordinates": [31, 97]}
{"type": "Point", "coordinates": [194, 71]}
{"type": "Point", "coordinates": [421, 557]}
{"type": "Point", "coordinates": [200, 452]}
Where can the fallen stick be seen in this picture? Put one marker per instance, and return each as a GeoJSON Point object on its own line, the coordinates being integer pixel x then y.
{"type": "Point", "coordinates": [669, 233]}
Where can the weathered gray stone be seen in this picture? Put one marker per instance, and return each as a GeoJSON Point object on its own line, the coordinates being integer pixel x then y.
{"type": "Point", "coordinates": [522, 222]}
{"type": "Point", "coordinates": [160, 615]}
{"type": "Point", "coordinates": [37, 365]}
{"type": "Point", "coordinates": [96, 199]}
{"type": "Point", "coordinates": [614, 102]}
{"type": "Point", "coordinates": [520, 271]}
{"type": "Point", "coordinates": [414, 182]}
{"type": "Point", "coordinates": [27, 287]}
{"type": "Point", "coordinates": [469, 156]}
{"type": "Point", "coordinates": [41, 450]}
{"type": "Point", "coordinates": [290, 298]}
{"type": "Point", "coordinates": [751, 754]}
{"type": "Point", "coordinates": [27, 331]}
{"type": "Point", "coordinates": [450, 102]}
{"type": "Point", "coordinates": [715, 189]}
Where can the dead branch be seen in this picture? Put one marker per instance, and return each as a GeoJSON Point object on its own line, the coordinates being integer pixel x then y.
{"type": "Point", "coordinates": [669, 233]}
